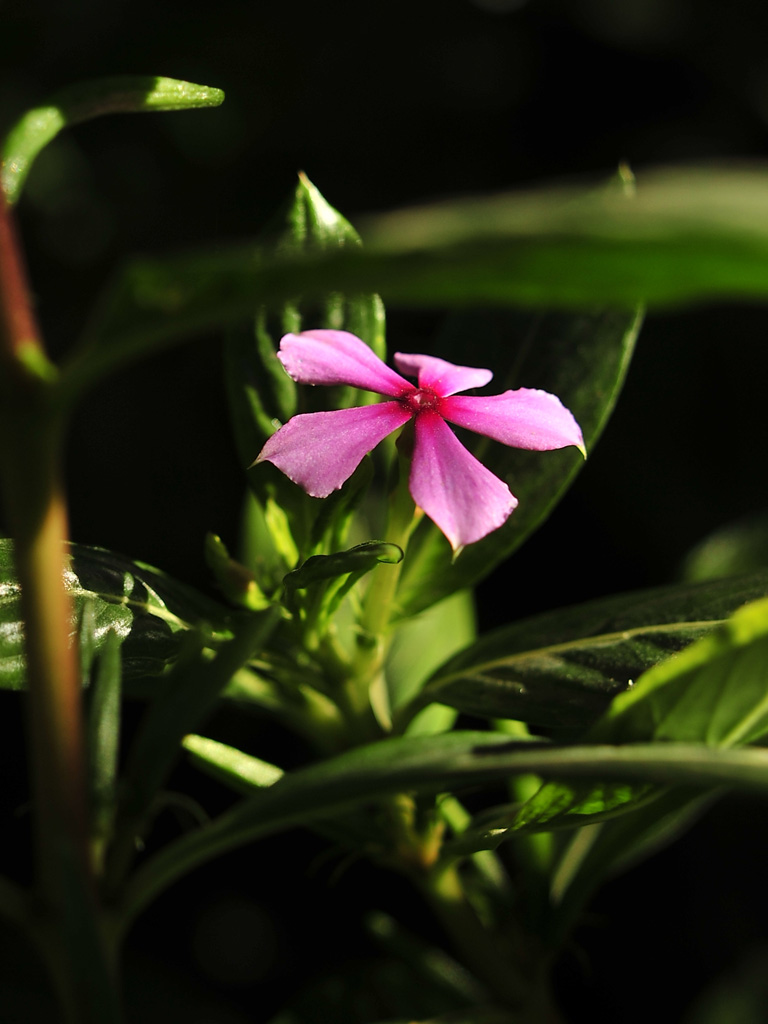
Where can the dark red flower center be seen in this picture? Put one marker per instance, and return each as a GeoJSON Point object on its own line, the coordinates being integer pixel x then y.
{"type": "Point", "coordinates": [422, 400]}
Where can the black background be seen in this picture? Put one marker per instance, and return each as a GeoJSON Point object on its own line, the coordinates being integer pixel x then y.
{"type": "Point", "coordinates": [384, 104]}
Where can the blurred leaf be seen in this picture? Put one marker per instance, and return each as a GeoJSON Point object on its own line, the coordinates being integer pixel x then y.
{"type": "Point", "coordinates": [690, 234]}
{"type": "Point", "coordinates": [236, 581]}
{"type": "Point", "coordinates": [739, 547]}
{"type": "Point", "coordinates": [81, 102]}
{"type": "Point", "coordinates": [581, 358]}
{"type": "Point", "coordinates": [561, 670]}
{"type": "Point", "coordinates": [325, 790]}
{"type": "Point", "coordinates": [149, 612]}
{"type": "Point", "coordinates": [418, 646]}
{"type": "Point", "coordinates": [715, 693]}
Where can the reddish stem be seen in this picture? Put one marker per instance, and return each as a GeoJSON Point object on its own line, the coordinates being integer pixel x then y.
{"type": "Point", "coordinates": [30, 476]}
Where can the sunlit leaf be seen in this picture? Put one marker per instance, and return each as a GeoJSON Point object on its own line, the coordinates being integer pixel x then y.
{"type": "Point", "coordinates": [81, 102]}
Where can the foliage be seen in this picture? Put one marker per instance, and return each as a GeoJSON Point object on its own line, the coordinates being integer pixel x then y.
{"type": "Point", "coordinates": [599, 730]}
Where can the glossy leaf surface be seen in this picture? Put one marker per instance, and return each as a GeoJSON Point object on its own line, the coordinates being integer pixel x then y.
{"type": "Point", "coordinates": [147, 610]}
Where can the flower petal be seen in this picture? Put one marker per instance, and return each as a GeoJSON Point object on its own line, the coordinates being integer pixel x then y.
{"type": "Point", "coordinates": [463, 498]}
{"type": "Point", "coordinates": [526, 418]}
{"type": "Point", "coordinates": [338, 357]}
{"type": "Point", "coordinates": [320, 450]}
{"type": "Point", "coordinates": [442, 377]}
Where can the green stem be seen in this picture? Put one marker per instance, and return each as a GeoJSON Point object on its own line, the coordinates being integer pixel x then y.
{"type": "Point", "coordinates": [378, 603]}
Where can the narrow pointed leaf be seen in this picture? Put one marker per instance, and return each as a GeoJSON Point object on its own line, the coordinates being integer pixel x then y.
{"type": "Point", "coordinates": [81, 102]}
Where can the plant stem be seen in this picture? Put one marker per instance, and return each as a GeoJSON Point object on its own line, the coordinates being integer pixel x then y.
{"type": "Point", "coordinates": [380, 595]}
{"type": "Point", "coordinates": [31, 430]}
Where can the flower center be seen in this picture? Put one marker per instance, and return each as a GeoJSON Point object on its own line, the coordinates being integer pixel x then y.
{"type": "Point", "coordinates": [422, 400]}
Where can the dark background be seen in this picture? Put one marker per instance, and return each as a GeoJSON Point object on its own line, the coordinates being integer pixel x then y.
{"type": "Point", "coordinates": [384, 104]}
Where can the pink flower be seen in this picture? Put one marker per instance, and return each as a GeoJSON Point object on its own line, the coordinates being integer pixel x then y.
{"type": "Point", "coordinates": [320, 450]}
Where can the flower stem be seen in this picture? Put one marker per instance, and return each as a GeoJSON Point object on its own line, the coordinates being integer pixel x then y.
{"type": "Point", "coordinates": [380, 595]}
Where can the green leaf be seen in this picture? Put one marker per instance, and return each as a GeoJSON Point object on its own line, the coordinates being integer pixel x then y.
{"type": "Point", "coordinates": [561, 670]}
{"type": "Point", "coordinates": [713, 693]}
{"type": "Point", "coordinates": [103, 740]}
{"type": "Point", "coordinates": [149, 611]}
{"type": "Point", "coordinates": [241, 772]}
{"type": "Point", "coordinates": [433, 764]}
{"type": "Point", "coordinates": [359, 559]}
{"type": "Point", "coordinates": [327, 579]}
{"type": "Point", "coordinates": [581, 358]}
{"type": "Point", "coordinates": [81, 102]}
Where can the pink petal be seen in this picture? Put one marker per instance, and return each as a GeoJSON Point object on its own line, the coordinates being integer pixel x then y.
{"type": "Point", "coordinates": [442, 377]}
{"type": "Point", "coordinates": [463, 498]}
{"type": "Point", "coordinates": [320, 450]}
{"type": "Point", "coordinates": [525, 418]}
{"type": "Point", "coordinates": [338, 357]}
